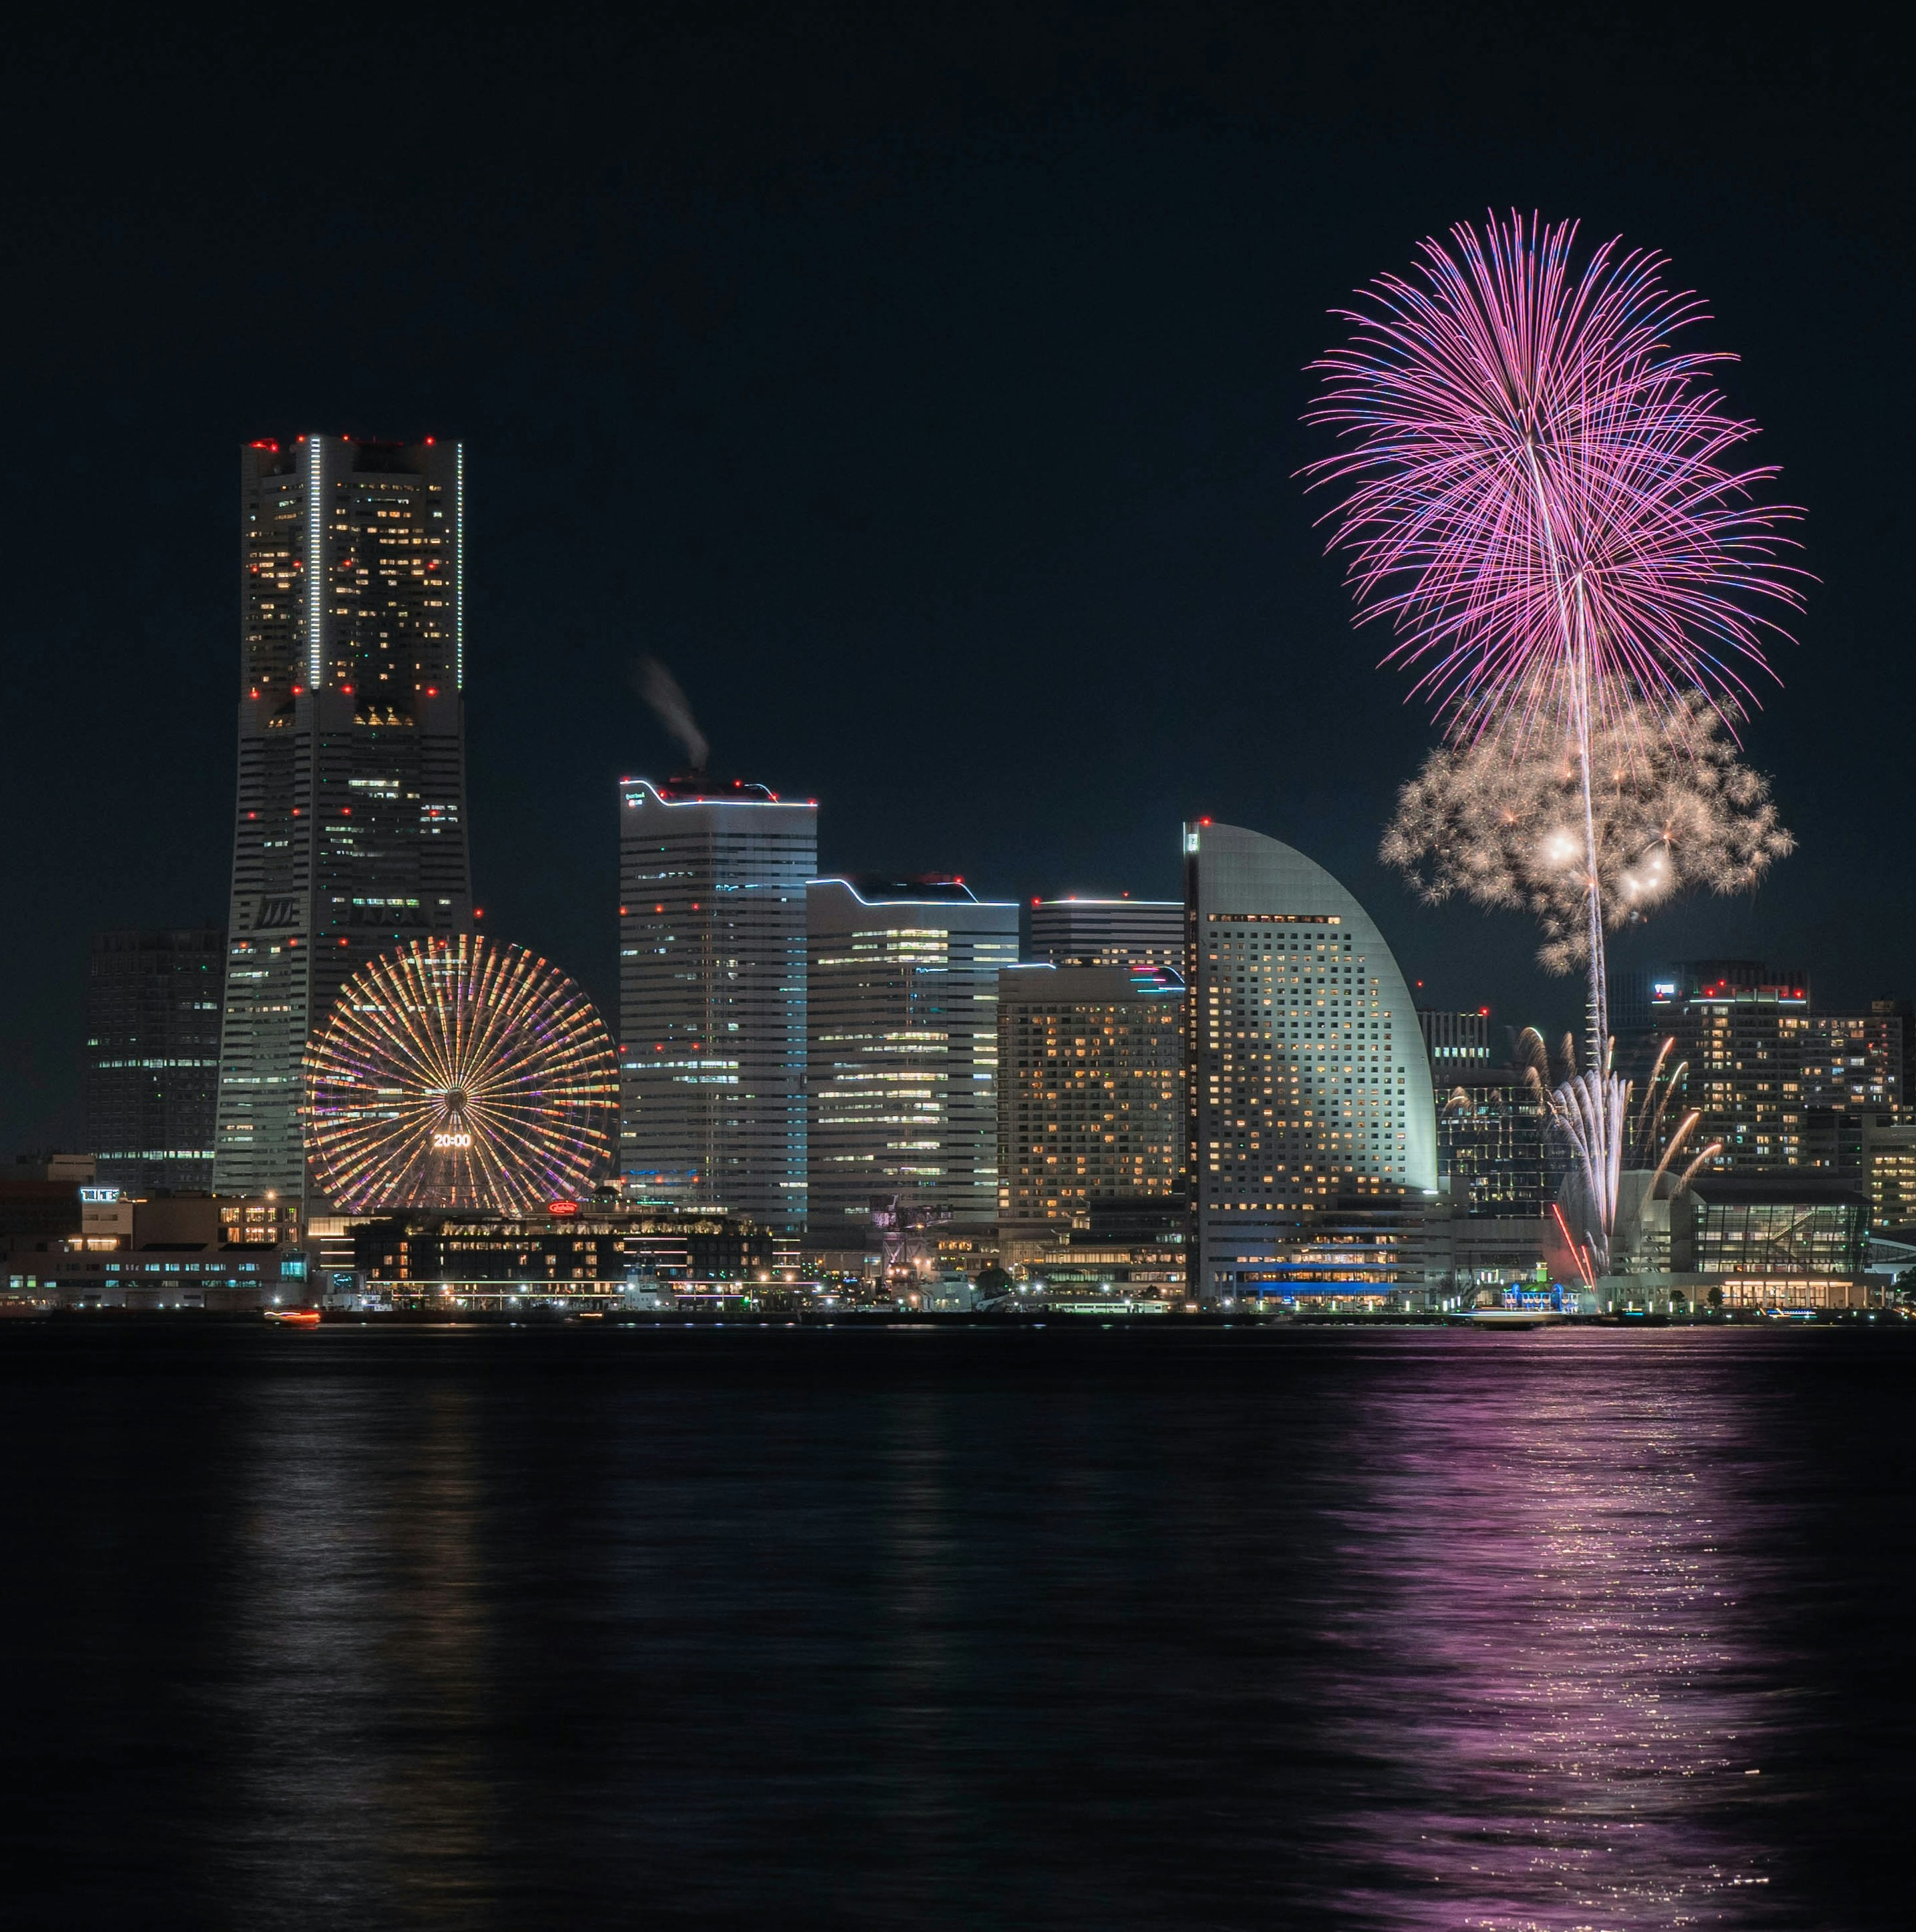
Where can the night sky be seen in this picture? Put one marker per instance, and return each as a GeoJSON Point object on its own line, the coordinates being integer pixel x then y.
{"type": "Point", "coordinates": [921, 384]}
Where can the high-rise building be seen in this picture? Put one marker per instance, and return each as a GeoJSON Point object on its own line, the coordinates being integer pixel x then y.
{"type": "Point", "coordinates": [1090, 1090]}
{"type": "Point", "coordinates": [1455, 1041]}
{"type": "Point", "coordinates": [153, 1002]}
{"type": "Point", "coordinates": [1308, 1087]}
{"type": "Point", "coordinates": [903, 1025]}
{"type": "Point", "coordinates": [1854, 1062]}
{"type": "Point", "coordinates": [350, 835]}
{"type": "Point", "coordinates": [1741, 1028]}
{"type": "Point", "coordinates": [1108, 932]}
{"type": "Point", "coordinates": [712, 995]}
{"type": "Point", "coordinates": [1491, 1142]}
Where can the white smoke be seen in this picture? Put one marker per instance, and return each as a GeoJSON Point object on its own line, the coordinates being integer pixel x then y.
{"type": "Point", "coordinates": [660, 690]}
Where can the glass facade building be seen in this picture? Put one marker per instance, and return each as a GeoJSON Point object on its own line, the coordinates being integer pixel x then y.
{"type": "Point", "coordinates": [1491, 1143]}
{"type": "Point", "coordinates": [1090, 1089]}
{"type": "Point", "coordinates": [153, 1002]}
{"type": "Point", "coordinates": [903, 1058]}
{"type": "Point", "coordinates": [350, 832]}
{"type": "Point", "coordinates": [1309, 1087]}
{"type": "Point", "coordinates": [712, 996]}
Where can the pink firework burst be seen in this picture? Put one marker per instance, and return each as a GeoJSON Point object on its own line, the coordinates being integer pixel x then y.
{"type": "Point", "coordinates": [1543, 496]}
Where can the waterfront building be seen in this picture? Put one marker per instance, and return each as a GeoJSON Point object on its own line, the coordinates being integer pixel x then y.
{"type": "Point", "coordinates": [1091, 1104]}
{"type": "Point", "coordinates": [153, 1002]}
{"type": "Point", "coordinates": [176, 1251]}
{"type": "Point", "coordinates": [350, 828]}
{"type": "Point", "coordinates": [1122, 931]}
{"type": "Point", "coordinates": [712, 995]}
{"type": "Point", "coordinates": [1455, 1041]}
{"type": "Point", "coordinates": [1492, 1142]}
{"type": "Point", "coordinates": [1779, 1240]}
{"type": "Point", "coordinates": [598, 1251]}
{"type": "Point", "coordinates": [1313, 1135]}
{"type": "Point", "coordinates": [903, 1025]}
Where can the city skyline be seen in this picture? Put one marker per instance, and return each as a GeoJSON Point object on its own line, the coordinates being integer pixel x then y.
{"type": "Point", "coordinates": [864, 471]}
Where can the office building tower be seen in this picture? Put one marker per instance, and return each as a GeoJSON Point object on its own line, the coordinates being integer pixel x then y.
{"type": "Point", "coordinates": [903, 1028]}
{"type": "Point", "coordinates": [153, 1002]}
{"type": "Point", "coordinates": [1492, 1142]}
{"type": "Point", "coordinates": [1308, 1087]}
{"type": "Point", "coordinates": [350, 834]}
{"type": "Point", "coordinates": [1090, 1090]}
{"type": "Point", "coordinates": [1455, 1041]}
{"type": "Point", "coordinates": [1108, 932]}
{"type": "Point", "coordinates": [712, 995]}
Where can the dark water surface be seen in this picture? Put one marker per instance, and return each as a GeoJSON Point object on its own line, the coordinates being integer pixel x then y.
{"type": "Point", "coordinates": [1069, 1627]}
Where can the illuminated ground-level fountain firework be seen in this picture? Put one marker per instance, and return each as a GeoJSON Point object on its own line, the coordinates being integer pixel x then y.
{"type": "Point", "coordinates": [1539, 496]}
{"type": "Point", "coordinates": [460, 1073]}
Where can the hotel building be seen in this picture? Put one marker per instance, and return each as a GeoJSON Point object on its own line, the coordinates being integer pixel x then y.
{"type": "Point", "coordinates": [903, 1058]}
{"type": "Point", "coordinates": [1312, 1134]}
{"type": "Point", "coordinates": [350, 832]}
{"type": "Point", "coordinates": [1090, 1090]}
{"type": "Point", "coordinates": [712, 996]}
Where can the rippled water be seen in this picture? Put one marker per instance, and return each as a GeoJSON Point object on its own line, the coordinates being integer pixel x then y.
{"type": "Point", "coordinates": [1061, 1628]}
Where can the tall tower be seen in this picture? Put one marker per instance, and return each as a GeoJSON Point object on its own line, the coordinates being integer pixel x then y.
{"type": "Point", "coordinates": [1306, 1077]}
{"type": "Point", "coordinates": [351, 829]}
{"type": "Point", "coordinates": [904, 1053]}
{"type": "Point", "coordinates": [711, 995]}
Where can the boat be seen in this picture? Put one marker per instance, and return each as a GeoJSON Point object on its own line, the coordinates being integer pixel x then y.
{"type": "Point", "coordinates": [1513, 1317]}
{"type": "Point", "coordinates": [295, 1318]}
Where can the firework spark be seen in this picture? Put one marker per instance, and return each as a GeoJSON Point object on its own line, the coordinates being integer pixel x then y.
{"type": "Point", "coordinates": [1533, 474]}
{"type": "Point", "coordinates": [1674, 809]}
{"type": "Point", "coordinates": [1542, 497]}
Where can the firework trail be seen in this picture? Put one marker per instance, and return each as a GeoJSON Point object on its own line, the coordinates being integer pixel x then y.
{"type": "Point", "coordinates": [1672, 808]}
{"type": "Point", "coordinates": [1542, 497]}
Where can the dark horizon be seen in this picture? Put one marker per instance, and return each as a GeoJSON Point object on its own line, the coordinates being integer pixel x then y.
{"type": "Point", "coordinates": [927, 403]}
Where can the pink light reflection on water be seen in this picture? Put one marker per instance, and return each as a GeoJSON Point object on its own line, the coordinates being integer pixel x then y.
{"type": "Point", "coordinates": [1568, 1570]}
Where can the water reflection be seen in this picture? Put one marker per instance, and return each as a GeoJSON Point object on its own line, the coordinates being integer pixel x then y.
{"type": "Point", "coordinates": [1552, 1558]}
{"type": "Point", "coordinates": [358, 1692]}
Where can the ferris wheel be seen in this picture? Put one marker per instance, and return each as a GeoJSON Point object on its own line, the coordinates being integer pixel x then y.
{"type": "Point", "coordinates": [459, 1073]}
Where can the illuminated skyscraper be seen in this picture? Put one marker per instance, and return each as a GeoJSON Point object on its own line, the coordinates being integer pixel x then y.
{"type": "Point", "coordinates": [351, 827]}
{"type": "Point", "coordinates": [1090, 1090]}
{"type": "Point", "coordinates": [1109, 932]}
{"type": "Point", "coordinates": [712, 995]}
{"type": "Point", "coordinates": [1307, 1081]}
{"type": "Point", "coordinates": [904, 1049]}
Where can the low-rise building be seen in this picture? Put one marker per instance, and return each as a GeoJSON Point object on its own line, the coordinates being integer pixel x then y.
{"type": "Point", "coordinates": [178, 1251]}
{"type": "Point", "coordinates": [587, 1254]}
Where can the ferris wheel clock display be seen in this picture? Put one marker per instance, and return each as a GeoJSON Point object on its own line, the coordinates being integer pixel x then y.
{"type": "Point", "coordinates": [459, 1073]}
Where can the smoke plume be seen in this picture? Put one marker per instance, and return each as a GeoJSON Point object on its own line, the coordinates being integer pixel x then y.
{"type": "Point", "coordinates": [660, 690]}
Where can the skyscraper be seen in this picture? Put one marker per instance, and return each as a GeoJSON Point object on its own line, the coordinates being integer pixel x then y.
{"type": "Point", "coordinates": [1307, 1083]}
{"type": "Point", "coordinates": [153, 1056]}
{"type": "Point", "coordinates": [1109, 932]}
{"type": "Point", "coordinates": [711, 995]}
{"type": "Point", "coordinates": [1090, 1090]}
{"type": "Point", "coordinates": [904, 1048]}
{"type": "Point", "coordinates": [350, 833]}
